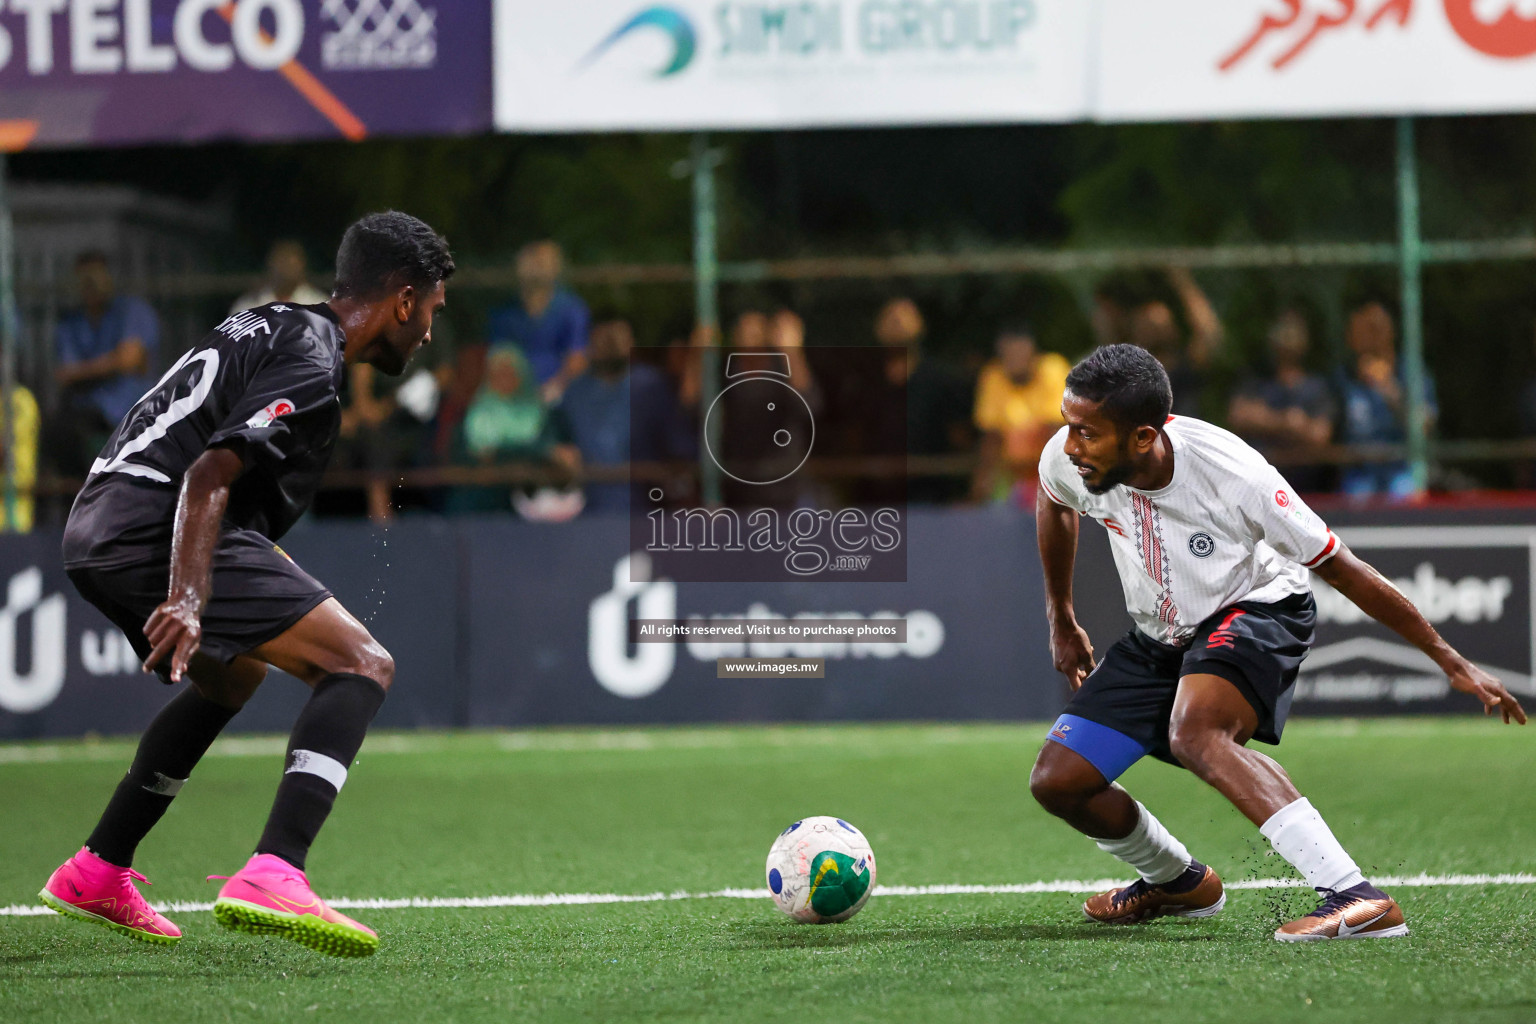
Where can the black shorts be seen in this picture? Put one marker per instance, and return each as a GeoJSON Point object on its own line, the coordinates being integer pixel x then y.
{"type": "Point", "coordinates": [258, 593]}
{"type": "Point", "coordinates": [1258, 648]}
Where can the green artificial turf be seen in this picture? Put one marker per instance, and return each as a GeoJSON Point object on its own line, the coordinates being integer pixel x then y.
{"type": "Point", "coordinates": [695, 810]}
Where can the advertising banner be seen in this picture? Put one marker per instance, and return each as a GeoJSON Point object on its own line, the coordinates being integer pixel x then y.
{"type": "Point", "coordinates": [130, 72]}
{"type": "Point", "coordinates": [497, 622]}
{"type": "Point", "coordinates": [65, 670]}
{"type": "Point", "coordinates": [1192, 59]}
{"type": "Point", "coordinates": [690, 64]}
{"type": "Point", "coordinates": [551, 643]}
{"type": "Point", "coordinates": [1473, 583]}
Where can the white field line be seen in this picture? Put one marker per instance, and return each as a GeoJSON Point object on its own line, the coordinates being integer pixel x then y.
{"type": "Point", "coordinates": [558, 899]}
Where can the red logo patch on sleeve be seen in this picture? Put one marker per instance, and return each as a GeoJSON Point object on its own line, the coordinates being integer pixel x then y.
{"type": "Point", "coordinates": [281, 407]}
{"type": "Point", "coordinates": [1282, 499]}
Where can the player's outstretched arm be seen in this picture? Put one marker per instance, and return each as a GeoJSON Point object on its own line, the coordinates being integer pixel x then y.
{"type": "Point", "coordinates": [176, 626]}
{"type": "Point", "coordinates": [1377, 597]}
{"type": "Point", "coordinates": [1056, 530]}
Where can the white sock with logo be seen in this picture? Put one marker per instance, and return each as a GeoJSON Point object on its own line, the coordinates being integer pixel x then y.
{"type": "Point", "coordinates": [1150, 848]}
{"type": "Point", "coordinates": [1300, 835]}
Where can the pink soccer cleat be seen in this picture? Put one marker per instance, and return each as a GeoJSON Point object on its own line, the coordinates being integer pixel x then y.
{"type": "Point", "coordinates": [87, 888]}
{"type": "Point", "coordinates": [269, 896]}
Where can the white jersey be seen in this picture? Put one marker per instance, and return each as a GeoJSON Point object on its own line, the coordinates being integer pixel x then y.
{"type": "Point", "coordinates": [1227, 528]}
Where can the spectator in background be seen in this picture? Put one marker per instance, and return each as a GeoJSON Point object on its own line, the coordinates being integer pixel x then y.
{"type": "Point", "coordinates": [937, 398]}
{"type": "Point", "coordinates": [507, 424]}
{"type": "Point", "coordinates": [751, 427]}
{"type": "Point", "coordinates": [287, 280]}
{"type": "Point", "coordinates": [618, 411]}
{"type": "Point", "coordinates": [1375, 408]}
{"type": "Point", "coordinates": [1018, 408]}
{"type": "Point", "coordinates": [104, 354]}
{"type": "Point", "coordinates": [18, 462]}
{"type": "Point", "coordinates": [1291, 411]}
{"type": "Point", "coordinates": [1153, 326]}
{"type": "Point", "coordinates": [548, 322]}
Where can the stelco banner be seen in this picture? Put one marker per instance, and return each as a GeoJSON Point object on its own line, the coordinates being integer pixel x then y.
{"type": "Point", "coordinates": [1191, 59]}
{"type": "Point", "coordinates": [119, 72]}
{"type": "Point", "coordinates": [623, 64]}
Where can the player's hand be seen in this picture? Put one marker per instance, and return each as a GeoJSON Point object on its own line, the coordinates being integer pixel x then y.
{"type": "Point", "coordinates": [175, 629]}
{"type": "Point", "coordinates": [1468, 678]}
{"type": "Point", "coordinates": [1072, 654]}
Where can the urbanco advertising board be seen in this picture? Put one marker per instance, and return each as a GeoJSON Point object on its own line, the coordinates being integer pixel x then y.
{"type": "Point", "coordinates": [496, 622]}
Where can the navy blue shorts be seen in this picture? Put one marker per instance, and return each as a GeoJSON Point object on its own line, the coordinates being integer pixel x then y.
{"type": "Point", "coordinates": [258, 593]}
{"type": "Point", "coordinates": [1121, 712]}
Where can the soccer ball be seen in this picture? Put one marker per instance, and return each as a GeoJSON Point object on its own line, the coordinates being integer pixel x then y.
{"type": "Point", "coordinates": [821, 870]}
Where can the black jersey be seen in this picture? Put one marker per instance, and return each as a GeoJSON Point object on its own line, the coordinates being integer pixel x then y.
{"type": "Point", "coordinates": [264, 384]}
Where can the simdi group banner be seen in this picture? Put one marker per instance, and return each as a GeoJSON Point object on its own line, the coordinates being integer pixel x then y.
{"type": "Point", "coordinates": [127, 72]}
{"type": "Point", "coordinates": [592, 65]}
{"type": "Point", "coordinates": [1197, 59]}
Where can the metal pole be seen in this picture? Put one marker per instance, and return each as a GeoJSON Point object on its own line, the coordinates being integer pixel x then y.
{"type": "Point", "coordinates": [8, 342]}
{"type": "Point", "coordinates": [706, 299]}
{"type": "Point", "coordinates": [1410, 268]}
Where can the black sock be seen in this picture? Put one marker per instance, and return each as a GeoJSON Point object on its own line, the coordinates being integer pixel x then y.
{"type": "Point", "coordinates": [170, 748]}
{"type": "Point", "coordinates": [325, 739]}
{"type": "Point", "coordinates": [1192, 876]}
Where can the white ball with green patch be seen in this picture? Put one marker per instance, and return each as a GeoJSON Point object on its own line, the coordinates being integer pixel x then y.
{"type": "Point", "coordinates": [821, 870]}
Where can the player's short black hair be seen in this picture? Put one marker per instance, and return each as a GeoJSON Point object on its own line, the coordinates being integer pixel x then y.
{"type": "Point", "coordinates": [390, 249]}
{"type": "Point", "coordinates": [1129, 383]}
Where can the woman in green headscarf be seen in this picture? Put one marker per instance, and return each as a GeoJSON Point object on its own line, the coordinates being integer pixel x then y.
{"type": "Point", "coordinates": [506, 423]}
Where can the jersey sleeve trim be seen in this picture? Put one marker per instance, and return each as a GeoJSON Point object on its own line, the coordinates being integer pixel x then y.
{"type": "Point", "coordinates": [1329, 550]}
{"type": "Point", "coordinates": [1052, 494]}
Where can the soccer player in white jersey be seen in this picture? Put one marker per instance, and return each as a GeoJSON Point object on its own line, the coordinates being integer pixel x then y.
{"type": "Point", "coordinates": [1212, 546]}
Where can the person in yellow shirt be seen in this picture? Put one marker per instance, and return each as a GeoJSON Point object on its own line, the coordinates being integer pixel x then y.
{"type": "Point", "coordinates": [1018, 408]}
{"type": "Point", "coordinates": [18, 463]}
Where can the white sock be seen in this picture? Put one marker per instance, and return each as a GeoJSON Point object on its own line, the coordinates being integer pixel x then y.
{"type": "Point", "coordinates": [1150, 849]}
{"type": "Point", "coordinates": [1300, 835]}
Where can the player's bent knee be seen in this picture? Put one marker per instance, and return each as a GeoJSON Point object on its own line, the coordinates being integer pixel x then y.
{"type": "Point", "coordinates": [384, 669]}
{"type": "Point", "coordinates": [374, 662]}
{"type": "Point", "coordinates": [1059, 791]}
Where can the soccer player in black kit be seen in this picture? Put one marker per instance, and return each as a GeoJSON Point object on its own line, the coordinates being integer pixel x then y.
{"type": "Point", "coordinates": [174, 538]}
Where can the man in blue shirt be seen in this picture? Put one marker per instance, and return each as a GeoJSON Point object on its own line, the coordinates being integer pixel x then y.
{"type": "Point", "coordinates": [548, 322]}
{"type": "Point", "coordinates": [104, 354]}
{"type": "Point", "coordinates": [621, 411]}
{"type": "Point", "coordinates": [1375, 403]}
